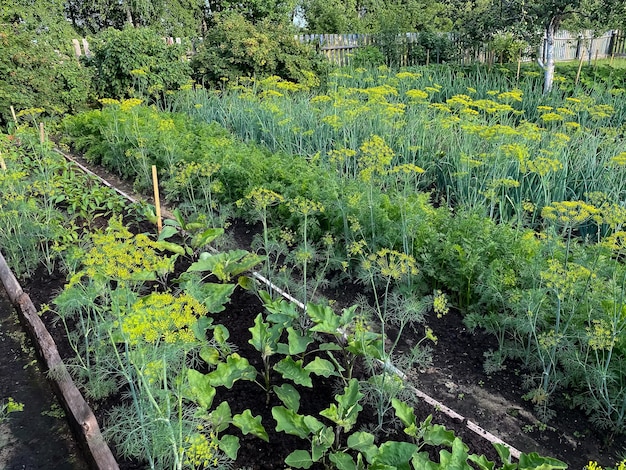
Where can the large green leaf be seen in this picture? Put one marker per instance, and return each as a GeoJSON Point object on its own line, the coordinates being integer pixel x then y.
{"type": "Point", "coordinates": [201, 389]}
{"type": "Point", "coordinates": [230, 446]}
{"type": "Point", "coordinates": [216, 296]}
{"type": "Point", "coordinates": [297, 343]}
{"type": "Point", "coordinates": [264, 336]}
{"type": "Point", "coordinates": [322, 442]}
{"type": "Point", "coordinates": [293, 370]}
{"type": "Point", "coordinates": [299, 459]}
{"type": "Point", "coordinates": [363, 442]}
{"type": "Point", "coordinates": [289, 396]}
{"type": "Point", "coordinates": [206, 237]}
{"type": "Point", "coordinates": [290, 422]}
{"type": "Point", "coordinates": [342, 461]}
{"type": "Point", "coordinates": [395, 454]}
{"type": "Point", "coordinates": [226, 265]}
{"type": "Point", "coordinates": [235, 368]}
{"type": "Point", "coordinates": [321, 367]}
{"type": "Point", "coordinates": [250, 425]}
{"type": "Point", "coordinates": [534, 461]}
{"type": "Point", "coordinates": [221, 417]}
{"type": "Point", "coordinates": [325, 319]}
{"type": "Point", "coordinates": [347, 411]}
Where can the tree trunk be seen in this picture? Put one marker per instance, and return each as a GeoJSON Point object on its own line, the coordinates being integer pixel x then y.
{"type": "Point", "coordinates": [129, 16]}
{"type": "Point", "coordinates": [548, 66]}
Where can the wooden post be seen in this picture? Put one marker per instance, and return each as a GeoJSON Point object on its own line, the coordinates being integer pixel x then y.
{"type": "Point", "coordinates": [595, 61]}
{"type": "Point", "coordinates": [612, 57]}
{"type": "Point", "coordinates": [3, 165]}
{"type": "Point", "coordinates": [580, 66]}
{"type": "Point", "coordinates": [519, 67]}
{"type": "Point", "coordinates": [427, 57]}
{"type": "Point", "coordinates": [157, 202]}
{"type": "Point", "coordinates": [76, 44]}
{"type": "Point", "coordinates": [13, 114]}
{"type": "Point", "coordinates": [42, 134]}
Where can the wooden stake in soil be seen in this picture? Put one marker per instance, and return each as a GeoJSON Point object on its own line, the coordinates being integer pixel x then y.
{"type": "Point", "coordinates": [519, 66]}
{"type": "Point", "coordinates": [3, 165]}
{"type": "Point", "coordinates": [580, 66]}
{"type": "Point", "coordinates": [42, 134]}
{"type": "Point", "coordinates": [595, 61]}
{"type": "Point", "coordinates": [13, 114]}
{"type": "Point", "coordinates": [427, 57]}
{"type": "Point", "coordinates": [157, 202]}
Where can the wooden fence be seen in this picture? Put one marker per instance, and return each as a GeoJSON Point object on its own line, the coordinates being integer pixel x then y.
{"type": "Point", "coordinates": [567, 46]}
{"type": "Point", "coordinates": [339, 48]}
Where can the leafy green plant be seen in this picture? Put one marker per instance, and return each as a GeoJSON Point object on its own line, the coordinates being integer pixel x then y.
{"type": "Point", "coordinates": [136, 62]}
{"type": "Point", "coordinates": [235, 47]}
{"type": "Point", "coordinates": [9, 406]}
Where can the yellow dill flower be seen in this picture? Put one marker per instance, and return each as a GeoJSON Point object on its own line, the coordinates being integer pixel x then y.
{"type": "Point", "coordinates": [304, 206]}
{"type": "Point", "coordinates": [416, 95]}
{"type": "Point", "coordinates": [565, 111]}
{"type": "Point", "coordinates": [541, 165]}
{"type": "Point", "coordinates": [601, 335]}
{"type": "Point", "coordinates": [601, 111]}
{"type": "Point", "coordinates": [333, 121]}
{"type": "Point", "coordinates": [619, 160]}
{"type": "Point", "coordinates": [393, 264]}
{"type": "Point", "coordinates": [356, 248]}
{"type": "Point", "coordinates": [471, 89]}
{"type": "Point", "coordinates": [162, 316]}
{"type": "Point", "coordinates": [545, 108]}
{"type": "Point", "coordinates": [462, 100]}
{"type": "Point", "coordinates": [570, 213]}
{"type": "Point", "coordinates": [469, 112]}
{"type": "Point", "coordinates": [551, 117]}
{"type": "Point", "coordinates": [320, 99]}
{"type": "Point", "coordinates": [440, 107]}
{"type": "Point", "coordinates": [572, 125]}
{"type": "Point", "coordinates": [408, 75]}
{"type": "Point", "coordinates": [271, 94]}
{"type": "Point", "coordinates": [262, 198]}
{"type": "Point", "coordinates": [130, 103]}
{"type": "Point", "coordinates": [440, 303]}
{"type": "Point", "coordinates": [375, 156]}
{"type": "Point", "coordinates": [108, 101]}
{"type": "Point", "coordinates": [513, 95]}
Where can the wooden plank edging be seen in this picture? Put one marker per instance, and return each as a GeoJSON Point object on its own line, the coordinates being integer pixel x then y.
{"type": "Point", "coordinates": [82, 419]}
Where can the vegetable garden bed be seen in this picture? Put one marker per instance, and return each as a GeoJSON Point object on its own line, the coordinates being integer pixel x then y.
{"type": "Point", "coordinates": [170, 331]}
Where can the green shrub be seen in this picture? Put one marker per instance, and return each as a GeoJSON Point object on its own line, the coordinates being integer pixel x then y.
{"type": "Point", "coordinates": [235, 47]}
{"type": "Point", "coordinates": [367, 56]}
{"type": "Point", "coordinates": [36, 74]}
{"type": "Point", "coordinates": [136, 62]}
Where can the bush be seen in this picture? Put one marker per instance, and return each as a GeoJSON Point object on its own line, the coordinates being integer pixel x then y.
{"type": "Point", "coordinates": [235, 47]}
{"type": "Point", "coordinates": [136, 62]}
{"type": "Point", "coordinates": [437, 48]}
{"type": "Point", "coordinates": [35, 74]}
{"type": "Point", "coordinates": [367, 56]}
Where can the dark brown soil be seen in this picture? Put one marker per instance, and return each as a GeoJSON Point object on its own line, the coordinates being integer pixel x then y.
{"type": "Point", "coordinates": [37, 438]}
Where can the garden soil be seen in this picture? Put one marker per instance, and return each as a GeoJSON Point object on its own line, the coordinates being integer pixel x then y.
{"type": "Point", "coordinates": [38, 437]}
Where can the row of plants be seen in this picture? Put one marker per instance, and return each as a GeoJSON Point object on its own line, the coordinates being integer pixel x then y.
{"type": "Point", "coordinates": [522, 231]}
{"type": "Point", "coordinates": [141, 312]}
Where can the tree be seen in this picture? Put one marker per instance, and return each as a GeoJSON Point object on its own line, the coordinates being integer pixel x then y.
{"type": "Point", "coordinates": [374, 16]}
{"type": "Point", "coordinates": [532, 19]}
{"type": "Point", "coordinates": [331, 16]}
{"type": "Point", "coordinates": [168, 17]}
